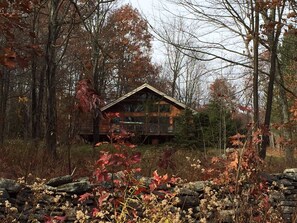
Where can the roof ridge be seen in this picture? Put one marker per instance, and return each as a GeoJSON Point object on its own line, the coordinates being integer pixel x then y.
{"type": "Point", "coordinates": [175, 101]}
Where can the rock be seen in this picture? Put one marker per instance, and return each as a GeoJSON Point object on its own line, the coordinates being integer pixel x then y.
{"type": "Point", "coordinates": [285, 182]}
{"type": "Point", "coordinates": [290, 173]}
{"type": "Point", "coordinates": [58, 181]}
{"type": "Point", "coordinates": [197, 186]}
{"type": "Point", "coordinates": [59, 197]}
{"type": "Point", "coordinates": [289, 191]}
{"type": "Point", "coordinates": [187, 192]}
{"type": "Point", "coordinates": [288, 203]}
{"type": "Point", "coordinates": [24, 195]}
{"type": "Point", "coordinates": [3, 194]}
{"type": "Point", "coordinates": [11, 186]}
{"type": "Point", "coordinates": [79, 187]}
{"type": "Point", "coordinates": [292, 197]}
{"type": "Point", "coordinates": [50, 188]}
{"type": "Point", "coordinates": [268, 177]}
{"type": "Point", "coordinates": [288, 209]}
{"type": "Point", "coordinates": [83, 179]}
{"type": "Point", "coordinates": [186, 202]}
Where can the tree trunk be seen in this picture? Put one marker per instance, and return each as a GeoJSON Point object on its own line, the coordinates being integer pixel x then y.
{"type": "Point", "coordinates": [34, 98]}
{"type": "Point", "coordinates": [51, 131]}
{"type": "Point", "coordinates": [224, 131]}
{"type": "Point", "coordinates": [273, 40]}
{"type": "Point", "coordinates": [256, 70]}
{"type": "Point", "coordinates": [4, 88]}
{"type": "Point", "coordinates": [266, 126]}
{"type": "Point", "coordinates": [283, 100]}
{"type": "Point", "coordinates": [39, 108]}
{"type": "Point", "coordinates": [96, 118]}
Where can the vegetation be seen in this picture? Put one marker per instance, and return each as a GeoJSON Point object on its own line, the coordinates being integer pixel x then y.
{"type": "Point", "coordinates": [60, 58]}
{"type": "Point", "coordinates": [212, 125]}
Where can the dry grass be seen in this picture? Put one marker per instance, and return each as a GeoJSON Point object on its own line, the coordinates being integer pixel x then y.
{"type": "Point", "coordinates": [22, 159]}
{"type": "Point", "coordinates": [276, 162]}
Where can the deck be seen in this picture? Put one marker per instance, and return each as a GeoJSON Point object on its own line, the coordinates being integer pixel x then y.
{"type": "Point", "coordinates": [140, 130]}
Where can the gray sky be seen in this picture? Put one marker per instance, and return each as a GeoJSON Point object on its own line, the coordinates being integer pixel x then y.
{"type": "Point", "coordinates": [150, 9]}
{"type": "Point", "coordinates": [145, 6]}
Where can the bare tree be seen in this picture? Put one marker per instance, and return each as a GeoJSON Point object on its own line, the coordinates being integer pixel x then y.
{"type": "Point", "coordinates": [175, 59]}
{"type": "Point", "coordinates": [98, 56]}
{"type": "Point", "coordinates": [192, 78]}
{"type": "Point", "coordinates": [235, 39]}
{"type": "Point", "coordinates": [183, 70]}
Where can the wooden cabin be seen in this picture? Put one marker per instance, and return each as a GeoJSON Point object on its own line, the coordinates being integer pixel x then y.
{"type": "Point", "coordinates": [146, 112]}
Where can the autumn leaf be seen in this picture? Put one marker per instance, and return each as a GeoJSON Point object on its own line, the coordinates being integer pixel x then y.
{"type": "Point", "coordinates": [234, 164]}
{"type": "Point", "coordinates": [135, 158]}
{"type": "Point", "coordinates": [140, 190]}
{"type": "Point", "coordinates": [236, 139]}
{"type": "Point", "coordinates": [85, 196]}
{"type": "Point", "coordinates": [88, 99]}
{"type": "Point", "coordinates": [52, 219]}
{"type": "Point", "coordinates": [215, 160]}
{"type": "Point", "coordinates": [103, 197]}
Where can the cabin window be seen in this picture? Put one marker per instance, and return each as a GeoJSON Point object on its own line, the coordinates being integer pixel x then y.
{"type": "Point", "coordinates": [133, 108]}
{"type": "Point", "coordinates": [164, 108]}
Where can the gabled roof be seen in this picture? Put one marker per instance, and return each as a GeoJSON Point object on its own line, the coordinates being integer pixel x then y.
{"type": "Point", "coordinates": [171, 99]}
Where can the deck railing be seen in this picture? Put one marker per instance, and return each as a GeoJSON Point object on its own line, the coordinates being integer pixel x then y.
{"type": "Point", "coordinates": [146, 128]}
{"type": "Point", "coordinates": [139, 128]}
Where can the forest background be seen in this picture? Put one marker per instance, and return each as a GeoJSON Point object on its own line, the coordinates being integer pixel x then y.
{"type": "Point", "coordinates": [250, 60]}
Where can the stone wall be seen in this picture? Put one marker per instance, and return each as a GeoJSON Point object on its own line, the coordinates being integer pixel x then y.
{"type": "Point", "coordinates": [59, 197]}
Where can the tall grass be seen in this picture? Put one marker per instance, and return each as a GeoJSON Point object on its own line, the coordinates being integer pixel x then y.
{"type": "Point", "coordinates": [19, 158]}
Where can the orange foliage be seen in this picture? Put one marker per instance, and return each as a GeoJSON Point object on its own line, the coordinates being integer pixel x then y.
{"type": "Point", "coordinates": [129, 45]}
{"type": "Point", "coordinates": [12, 21]}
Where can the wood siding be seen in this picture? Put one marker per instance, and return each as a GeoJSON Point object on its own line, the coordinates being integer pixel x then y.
{"type": "Point", "coordinates": [145, 112]}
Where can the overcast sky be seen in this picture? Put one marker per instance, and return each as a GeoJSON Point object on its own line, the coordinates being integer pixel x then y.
{"type": "Point", "coordinates": [150, 9]}
{"type": "Point", "coordinates": [145, 6]}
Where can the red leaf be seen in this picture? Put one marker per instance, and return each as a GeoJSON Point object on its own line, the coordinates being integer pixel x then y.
{"type": "Point", "coordinates": [152, 186]}
{"type": "Point", "coordinates": [85, 196]}
{"type": "Point", "coordinates": [140, 190]}
{"type": "Point", "coordinates": [136, 158]}
{"type": "Point", "coordinates": [103, 197]}
{"type": "Point", "coordinates": [52, 219]}
{"type": "Point", "coordinates": [88, 99]}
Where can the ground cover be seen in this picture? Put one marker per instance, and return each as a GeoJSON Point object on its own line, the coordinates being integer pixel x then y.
{"type": "Point", "coordinates": [20, 159]}
{"type": "Point", "coordinates": [165, 163]}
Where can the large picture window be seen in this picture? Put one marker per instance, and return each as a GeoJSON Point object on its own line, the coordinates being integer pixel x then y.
{"type": "Point", "coordinates": [133, 108]}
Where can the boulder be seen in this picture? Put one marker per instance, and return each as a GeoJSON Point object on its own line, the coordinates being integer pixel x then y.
{"type": "Point", "coordinates": [197, 186]}
{"type": "Point", "coordinates": [3, 194]}
{"type": "Point", "coordinates": [11, 186]}
{"type": "Point", "coordinates": [58, 181]}
{"type": "Point", "coordinates": [290, 173]}
{"type": "Point", "coordinates": [79, 187]}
